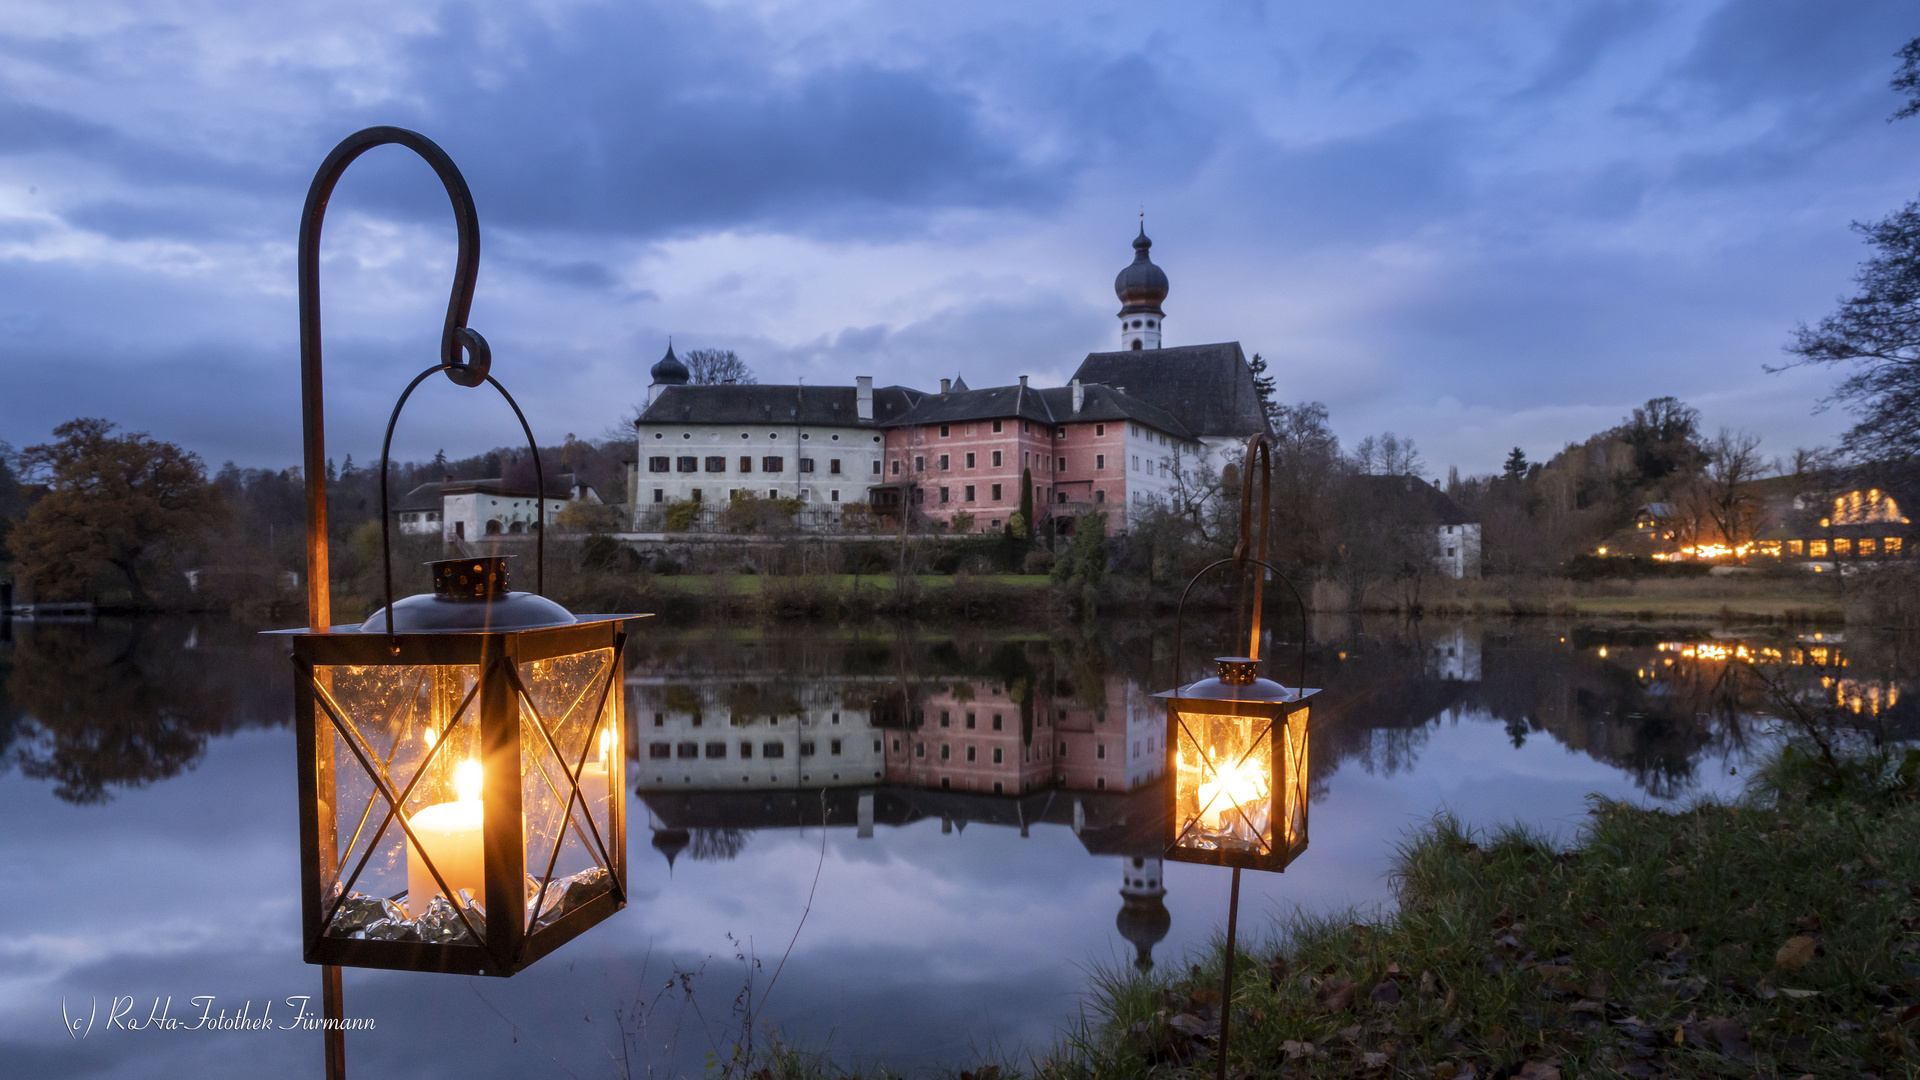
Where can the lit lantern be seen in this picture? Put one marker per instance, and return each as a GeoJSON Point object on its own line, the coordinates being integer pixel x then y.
{"type": "Point", "coordinates": [1236, 743]}
{"type": "Point", "coordinates": [460, 778]}
{"type": "Point", "coordinates": [1237, 759]}
{"type": "Point", "coordinates": [461, 751]}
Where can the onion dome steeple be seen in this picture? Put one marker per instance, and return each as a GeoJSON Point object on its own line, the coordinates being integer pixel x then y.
{"type": "Point", "coordinates": [668, 372]}
{"type": "Point", "coordinates": [1141, 287]}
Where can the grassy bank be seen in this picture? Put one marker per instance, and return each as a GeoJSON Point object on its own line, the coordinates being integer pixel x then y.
{"type": "Point", "coordinates": [1779, 937]}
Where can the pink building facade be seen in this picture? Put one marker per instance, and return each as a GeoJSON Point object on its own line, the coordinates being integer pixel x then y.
{"type": "Point", "coordinates": [962, 453]}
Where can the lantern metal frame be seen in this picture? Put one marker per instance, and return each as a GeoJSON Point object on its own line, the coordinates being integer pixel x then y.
{"type": "Point", "coordinates": [498, 695]}
{"type": "Point", "coordinates": [1249, 554]}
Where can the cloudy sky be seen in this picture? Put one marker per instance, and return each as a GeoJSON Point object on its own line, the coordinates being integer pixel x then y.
{"type": "Point", "coordinates": [1481, 224]}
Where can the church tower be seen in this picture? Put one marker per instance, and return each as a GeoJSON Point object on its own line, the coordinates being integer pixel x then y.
{"type": "Point", "coordinates": [1140, 287]}
{"type": "Point", "coordinates": [668, 372]}
{"type": "Point", "coordinates": [1143, 918]}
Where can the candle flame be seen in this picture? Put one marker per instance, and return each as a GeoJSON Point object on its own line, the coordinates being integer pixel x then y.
{"type": "Point", "coordinates": [606, 743]}
{"type": "Point", "coordinates": [1240, 785]}
{"type": "Point", "coordinates": [466, 781]}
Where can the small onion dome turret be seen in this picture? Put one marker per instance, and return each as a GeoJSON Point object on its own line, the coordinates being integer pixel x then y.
{"type": "Point", "coordinates": [670, 371]}
{"type": "Point", "coordinates": [1142, 285]}
{"type": "Point", "coordinates": [1143, 921]}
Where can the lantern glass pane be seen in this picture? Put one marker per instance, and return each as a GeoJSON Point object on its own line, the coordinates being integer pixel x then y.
{"type": "Point", "coordinates": [1224, 783]}
{"type": "Point", "coordinates": [574, 697]}
{"type": "Point", "coordinates": [1293, 819]}
{"type": "Point", "coordinates": [408, 723]}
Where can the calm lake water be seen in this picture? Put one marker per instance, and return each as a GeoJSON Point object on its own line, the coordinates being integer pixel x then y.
{"type": "Point", "coordinates": [878, 904]}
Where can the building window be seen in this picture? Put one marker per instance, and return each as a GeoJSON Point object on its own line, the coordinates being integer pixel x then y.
{"type": "Point", "coordinates": [996, 427]}
{"type": "Point", "coordinates": [996, 496]}
{"type": "Point", "coordinates": [1099, 429]}
{"type": "Point", "coordinates": [1063, 751]}
{"type": "Point", "coordinates": [1099, 461]}
{"type": "Point", "coordinates": [944, 431]}
{"type": "Point", "coordinates": [969, 493]}
{"type": "Point", "coordinates": [919, 464]}
{"type": "Point", "coordinates": [996, 755]}
{"type": "Point", "coordinates": [659, 751]}
{"type": "Point", "coordinates": [996, 721]}
{"type": "Point", "coordinates": [1866, 547]}
{"type": "Point", "coordinates": [806, 464]}
{"type": "Point", "coordinates": [1100, 496]}
{"type": "Point", "coordinates": [687, 750]}
{"type": "Point", "coordinates": [970, 753]}
{"type": "Point", "coordinates": [698, 496]}
{"type": "Point", "coordinates": [659, 495]}
{"type": "Point", "coordinates": [772, 464]}
{"type": "Point", "coordinates": [996, 459]}
{"type": "Point", "coordinates": [876, 466]}
{"type": "Point", "coordinates": [659, 464]}
{"type": "Point", "coordinates": [1892, 546]}
{"type": "Point", "coordinates": [896, 466]}
{"type": "Point", "coordinates": [1100, 751]}
{"type": "Point", "coordinates": [946, 718]}
{"type": "Point", "coordinates": [1062, 500]}
{"type": "Point", "coordinates": [773, 750]}
{"type": "Point", "coordinates": [834, 495]}
{"type": "Point", "coordinates": [773, 493]}
{"type": "Point", "coordinates": [716, 750]}
{"type": "Point", "coordinates": [945, 462]}
{"type": "Point", "coordinates": [1796, 547]}
{"type": "Point", "coordinates": [1062, 467]}
{"type": "Point", "coordinates": [945, 751]}
{"type": "Point", "coordinates": [833, 746]}
{"type": "Point", "coordinates": [1136, 463]}
{"type": "Point", "coordinates": [806, 748]}
{"type": "Point", "coordinates": [971, 720]}
{"type": "Point", "coordinates": [746, 464]}
{"type": "Point", "coordinates": [1842, 546]}
{"type": "Point", "coordinates": [716, 464]}
{"type": "Point", "coordinates": [688, 464]}
{"type": "Point", "coordinates": [945, 494]}
{"type": "Point", "coordinates": [1449, 553]}
{"type": "Point", "coordinates": [1817, 548]}
{"type": "Point", "coordinates": [746, 750]}
{"type": "Point", "coordinates": [919, 749]}
{"type": "Point", "coordinates": [833, 466]}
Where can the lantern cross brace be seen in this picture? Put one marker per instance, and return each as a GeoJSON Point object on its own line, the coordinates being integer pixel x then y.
{"type": "Point", "coordinates": [595, 845]}
{"type": "Point", "coordinates": [345, 728]}
{"type": "Point", "coordinates": [386, 763]}
{"type": "Point", "coordinates": [1209, 767]}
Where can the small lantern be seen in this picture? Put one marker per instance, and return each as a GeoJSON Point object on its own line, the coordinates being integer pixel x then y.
{"type": "Point", "coordinates": [1237, 761]}
{"type": "Point", "coordinates": [461, 778]}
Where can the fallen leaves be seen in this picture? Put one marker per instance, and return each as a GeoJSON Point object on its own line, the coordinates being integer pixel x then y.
{"type": "Point", "coordinates": [1336, 993]}
{"type": "Point", "coordinates": [1796, 953]}
{"type": "Point", "coordinates": [1538, 1070]}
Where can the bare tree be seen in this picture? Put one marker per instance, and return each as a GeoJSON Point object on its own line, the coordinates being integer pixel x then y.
{"type": "Point", "coordinates": [1734, 464]}
{"type": "Point", "coordinates": [1387, 455]}
{"type": "Point", "coordinates": [716, 367]}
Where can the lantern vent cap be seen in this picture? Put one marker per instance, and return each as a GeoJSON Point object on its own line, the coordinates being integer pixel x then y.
{"type": "Point", "coordinates": [1237, 679]}
{"type": "Point", "coordinates": [469, 594]}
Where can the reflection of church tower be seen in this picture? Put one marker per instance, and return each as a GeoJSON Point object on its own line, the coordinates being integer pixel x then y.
{"type": "Point", "coordinates": [1143, 918]}
{"type": "Point", "coordinates": [671, 842]}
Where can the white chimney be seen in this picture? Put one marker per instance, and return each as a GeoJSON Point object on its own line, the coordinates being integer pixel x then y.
{"type": "Point", "coordinates": [1023, 382]}
{"type": "Point", "coordinates": [863, 397]}
{"type": "Point", "coordinates": [1079, 396]}
{"type": "Point", "coordinates": [946, 386]}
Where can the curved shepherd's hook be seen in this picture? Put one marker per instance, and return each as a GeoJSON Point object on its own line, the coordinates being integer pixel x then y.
{"type": "Point", "coordinates": [470, 370]}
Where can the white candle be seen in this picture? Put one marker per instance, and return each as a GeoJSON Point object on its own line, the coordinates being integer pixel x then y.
{"type": "Point", "coordinates": [596, 786]}
{"type": "Point", "coordinates": [451, 834]}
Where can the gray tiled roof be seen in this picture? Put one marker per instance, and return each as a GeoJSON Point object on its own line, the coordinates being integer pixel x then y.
{"type": "Point", "coordinates": [1437, 504]}
{"type": "Point", "coordinates": [812, 406]}
{"type": "Point", "coordinates": [1207, 388]}
{"type": "Point", "coordinates": [1050, 406]}
{"type": "Point", "coordinates": [431, 496]}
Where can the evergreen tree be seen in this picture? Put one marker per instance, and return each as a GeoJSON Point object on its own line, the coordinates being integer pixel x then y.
{"type": "Point", "coordinates": [1263, 383]}
{"type": "Point", "coordinates": [1516, 467]}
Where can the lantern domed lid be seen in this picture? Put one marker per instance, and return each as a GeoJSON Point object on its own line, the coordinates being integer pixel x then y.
{"type": "Point", "coordinates": [1236, 680]}
{"type": "Point", "coordinates": [469, 594]}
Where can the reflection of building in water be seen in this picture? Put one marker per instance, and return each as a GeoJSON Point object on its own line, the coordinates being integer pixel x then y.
{"type": "Point", "coordinates": [1455, 654]}
{"type": "Point", "coordinates": [742, 732]}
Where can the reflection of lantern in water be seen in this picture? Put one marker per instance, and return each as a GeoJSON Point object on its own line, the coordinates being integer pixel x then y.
{"type": "Point", "coordinates": [1237, 750]}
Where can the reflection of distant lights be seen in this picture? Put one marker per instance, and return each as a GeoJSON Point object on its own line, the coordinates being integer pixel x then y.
{"type": "Point", "coordinates": [1669, 661]}
{"type": "Point", "coordinates": [1603, 651]}
{"type": "Point", "coordinates": [1343, 656]}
